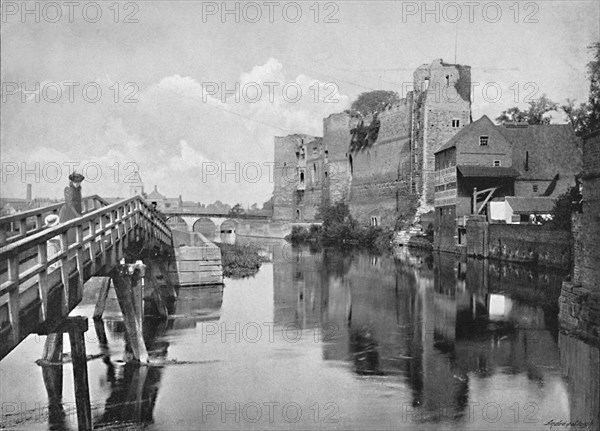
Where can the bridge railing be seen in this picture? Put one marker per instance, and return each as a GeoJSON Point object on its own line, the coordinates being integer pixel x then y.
{"type": "Point", "coordinates": [17, 226]}
{"type": "Point", "coordinates": [42, 275]}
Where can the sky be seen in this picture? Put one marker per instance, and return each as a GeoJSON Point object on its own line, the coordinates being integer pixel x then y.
{"type": "Point", "coordinates": [191, 94]}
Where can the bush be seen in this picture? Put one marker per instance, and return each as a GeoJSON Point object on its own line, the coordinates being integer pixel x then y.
{"type": "Point", "coordinates": [239, 261]}
{"type": "Point", "coordinates": [340, 228]}
{"type": "Point", "coordinates": [564, 206]}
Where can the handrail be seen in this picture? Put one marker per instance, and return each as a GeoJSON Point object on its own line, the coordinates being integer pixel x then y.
{"type": "Point", "coordinates": [99, 239]}
{"type": "Point", "coordinates": [88, 204]}
{"type": "Point", "coordinates": [48, 208]}
{"type": "Point", "coordinates": [25, 243]}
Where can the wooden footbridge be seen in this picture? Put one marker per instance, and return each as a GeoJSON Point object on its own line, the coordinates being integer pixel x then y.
{"type": "Point", "coordinates": [43, 271]}
{"type": "Point", "coordinates": [39, 289]}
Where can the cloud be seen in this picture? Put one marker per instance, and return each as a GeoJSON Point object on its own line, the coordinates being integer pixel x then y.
{"type": "Point", "coordinates": [177, 128]}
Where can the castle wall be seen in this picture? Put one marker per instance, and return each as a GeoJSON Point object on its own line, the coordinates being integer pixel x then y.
{"type": "Point", "coordinates": [336, 141]}
{"type": "Point", "coordinates": [381, 173]}
{"type": "Point", "coordinates": [315, 176]}
{"type": "Point", "coordinates": [384, 181]}
{"type": "Point", "coordinates": [580, 298]}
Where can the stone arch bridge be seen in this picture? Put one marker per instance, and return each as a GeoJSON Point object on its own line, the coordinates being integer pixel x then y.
{"type": "Point", "coordinates": [211, 225]}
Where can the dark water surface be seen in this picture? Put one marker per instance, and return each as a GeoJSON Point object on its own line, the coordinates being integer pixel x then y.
{"type": "Point", "coordinates": [329, 339]}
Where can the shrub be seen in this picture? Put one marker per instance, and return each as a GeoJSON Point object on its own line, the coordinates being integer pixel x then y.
{"type": "Point", "coordinates": [239, 261]}
{"type": "Point", "coordinates": [564, 206]}
{"type": "Point", "coordinates": [340, 228]}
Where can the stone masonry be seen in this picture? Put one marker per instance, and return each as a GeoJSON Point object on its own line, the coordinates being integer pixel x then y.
{"type": "Point", "coordinates": [580, 297]}
{"type": "Point", "coordinates": [391, 177]}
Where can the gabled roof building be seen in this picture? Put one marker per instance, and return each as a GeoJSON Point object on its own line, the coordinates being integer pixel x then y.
{"type": "Point", "coordinates": [485, 163]}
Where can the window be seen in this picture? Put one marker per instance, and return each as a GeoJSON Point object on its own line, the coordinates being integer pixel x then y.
{"type": "Point", "coordinates": [496, 163]}
{"type": "Point", "coordinates": [483, 140]}
{"type": "Point", "coordinates": [455, 124]}
{"type": "Point", "coordinates": [535, 188]}
{"type": "Point", "coordinates": [447, 80]}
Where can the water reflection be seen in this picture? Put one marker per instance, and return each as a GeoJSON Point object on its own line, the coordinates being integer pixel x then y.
{"type": "Point", "coordinates": [411, 341]}
{"type": "Point", "coordinates": [134, 388]}
{"type": "Point", "coordinates": [452, 331]}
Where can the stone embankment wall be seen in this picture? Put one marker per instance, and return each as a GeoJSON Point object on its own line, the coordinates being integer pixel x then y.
{"type": "Point", "coordinates": [519, 243]}
{"type": "Point", "coordinates": [580, 297]}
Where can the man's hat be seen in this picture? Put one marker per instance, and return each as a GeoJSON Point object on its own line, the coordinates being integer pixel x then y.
{"type": "Point", "coordinates": [76, 177]}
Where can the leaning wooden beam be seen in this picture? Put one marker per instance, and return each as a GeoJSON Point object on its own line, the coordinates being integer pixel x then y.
{"type": "Point", "coordinates": [102, 295]}
{"type": "Point", "coordinates": [122, 281]}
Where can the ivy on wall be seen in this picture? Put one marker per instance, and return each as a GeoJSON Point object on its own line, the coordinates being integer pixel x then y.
{"type": "Point", "coordinates": [364, 136]}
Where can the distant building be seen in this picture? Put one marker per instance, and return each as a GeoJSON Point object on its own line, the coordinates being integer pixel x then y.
{"type": "Point", "coordinates": [484, 163]}
{"type": "Point", "coordinates": [136, 186]}
{"type": "Point", "coordinates": [10, 206]}
{"type": "Point", "coordinates": [163, 202]}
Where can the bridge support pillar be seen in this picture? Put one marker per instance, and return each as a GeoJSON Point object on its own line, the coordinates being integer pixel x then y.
{"type": "Point", "coordinates": [52, 372]}
{"type": "Point", "coordinates": [128, 285]}
{"type": "Point", "coordinates": [76, 328]}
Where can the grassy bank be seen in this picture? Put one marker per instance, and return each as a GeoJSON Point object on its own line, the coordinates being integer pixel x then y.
{"type": "Point", "coordinates": [239, 261]}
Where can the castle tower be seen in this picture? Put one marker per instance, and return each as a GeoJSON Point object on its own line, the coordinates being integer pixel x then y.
{"type": "Point", "coordinates": [136, 186]}
{"type": "Point", "coordinates": [340, 161]}
{"type": "Point", "coordinates": [290, 176]}
{"type": "Point", "coordinates": [442, 106]}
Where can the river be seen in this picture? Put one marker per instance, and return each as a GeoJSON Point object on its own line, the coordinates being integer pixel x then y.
{"type": "Point", "coordinates": [332, 339]}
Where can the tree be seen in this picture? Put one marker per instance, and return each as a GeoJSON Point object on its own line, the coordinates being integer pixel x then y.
{"type": "Point", "coordinates": [564, 206]}
{"type": "Point", "coordinates": [578, 116]}
{"type": "Point", "coordinates": [535, 114]}
{"type": "Point", "coordinates": [374, 101]}
{"type": "Point", "coordinates": [585, 118]}
{"type": "Point", "coordinates": [236, 211]}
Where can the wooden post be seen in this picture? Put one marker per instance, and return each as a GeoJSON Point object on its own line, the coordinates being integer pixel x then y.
{"type": "Point", "coordinates": [122, 281]}
{"type": "Point", "coordinates": [53, 347]}
{"type": "Point", "coordinates": [53, 377]}
{"type": "Point", "coordinates": [76, 326]}
{"type": "Point", "coordinates": [138, 291]}
{"type": "Point", "coordinates": [102, 295]}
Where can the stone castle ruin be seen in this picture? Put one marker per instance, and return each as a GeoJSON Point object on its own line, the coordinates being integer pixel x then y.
{"type": "Point", "coordinates": [382, 165]}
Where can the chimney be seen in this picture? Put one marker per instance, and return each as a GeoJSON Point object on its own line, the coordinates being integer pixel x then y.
{"type": "Point", "coordinates": [28, 196]}
{"type": "Point", "coordinates": [156, 189]}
